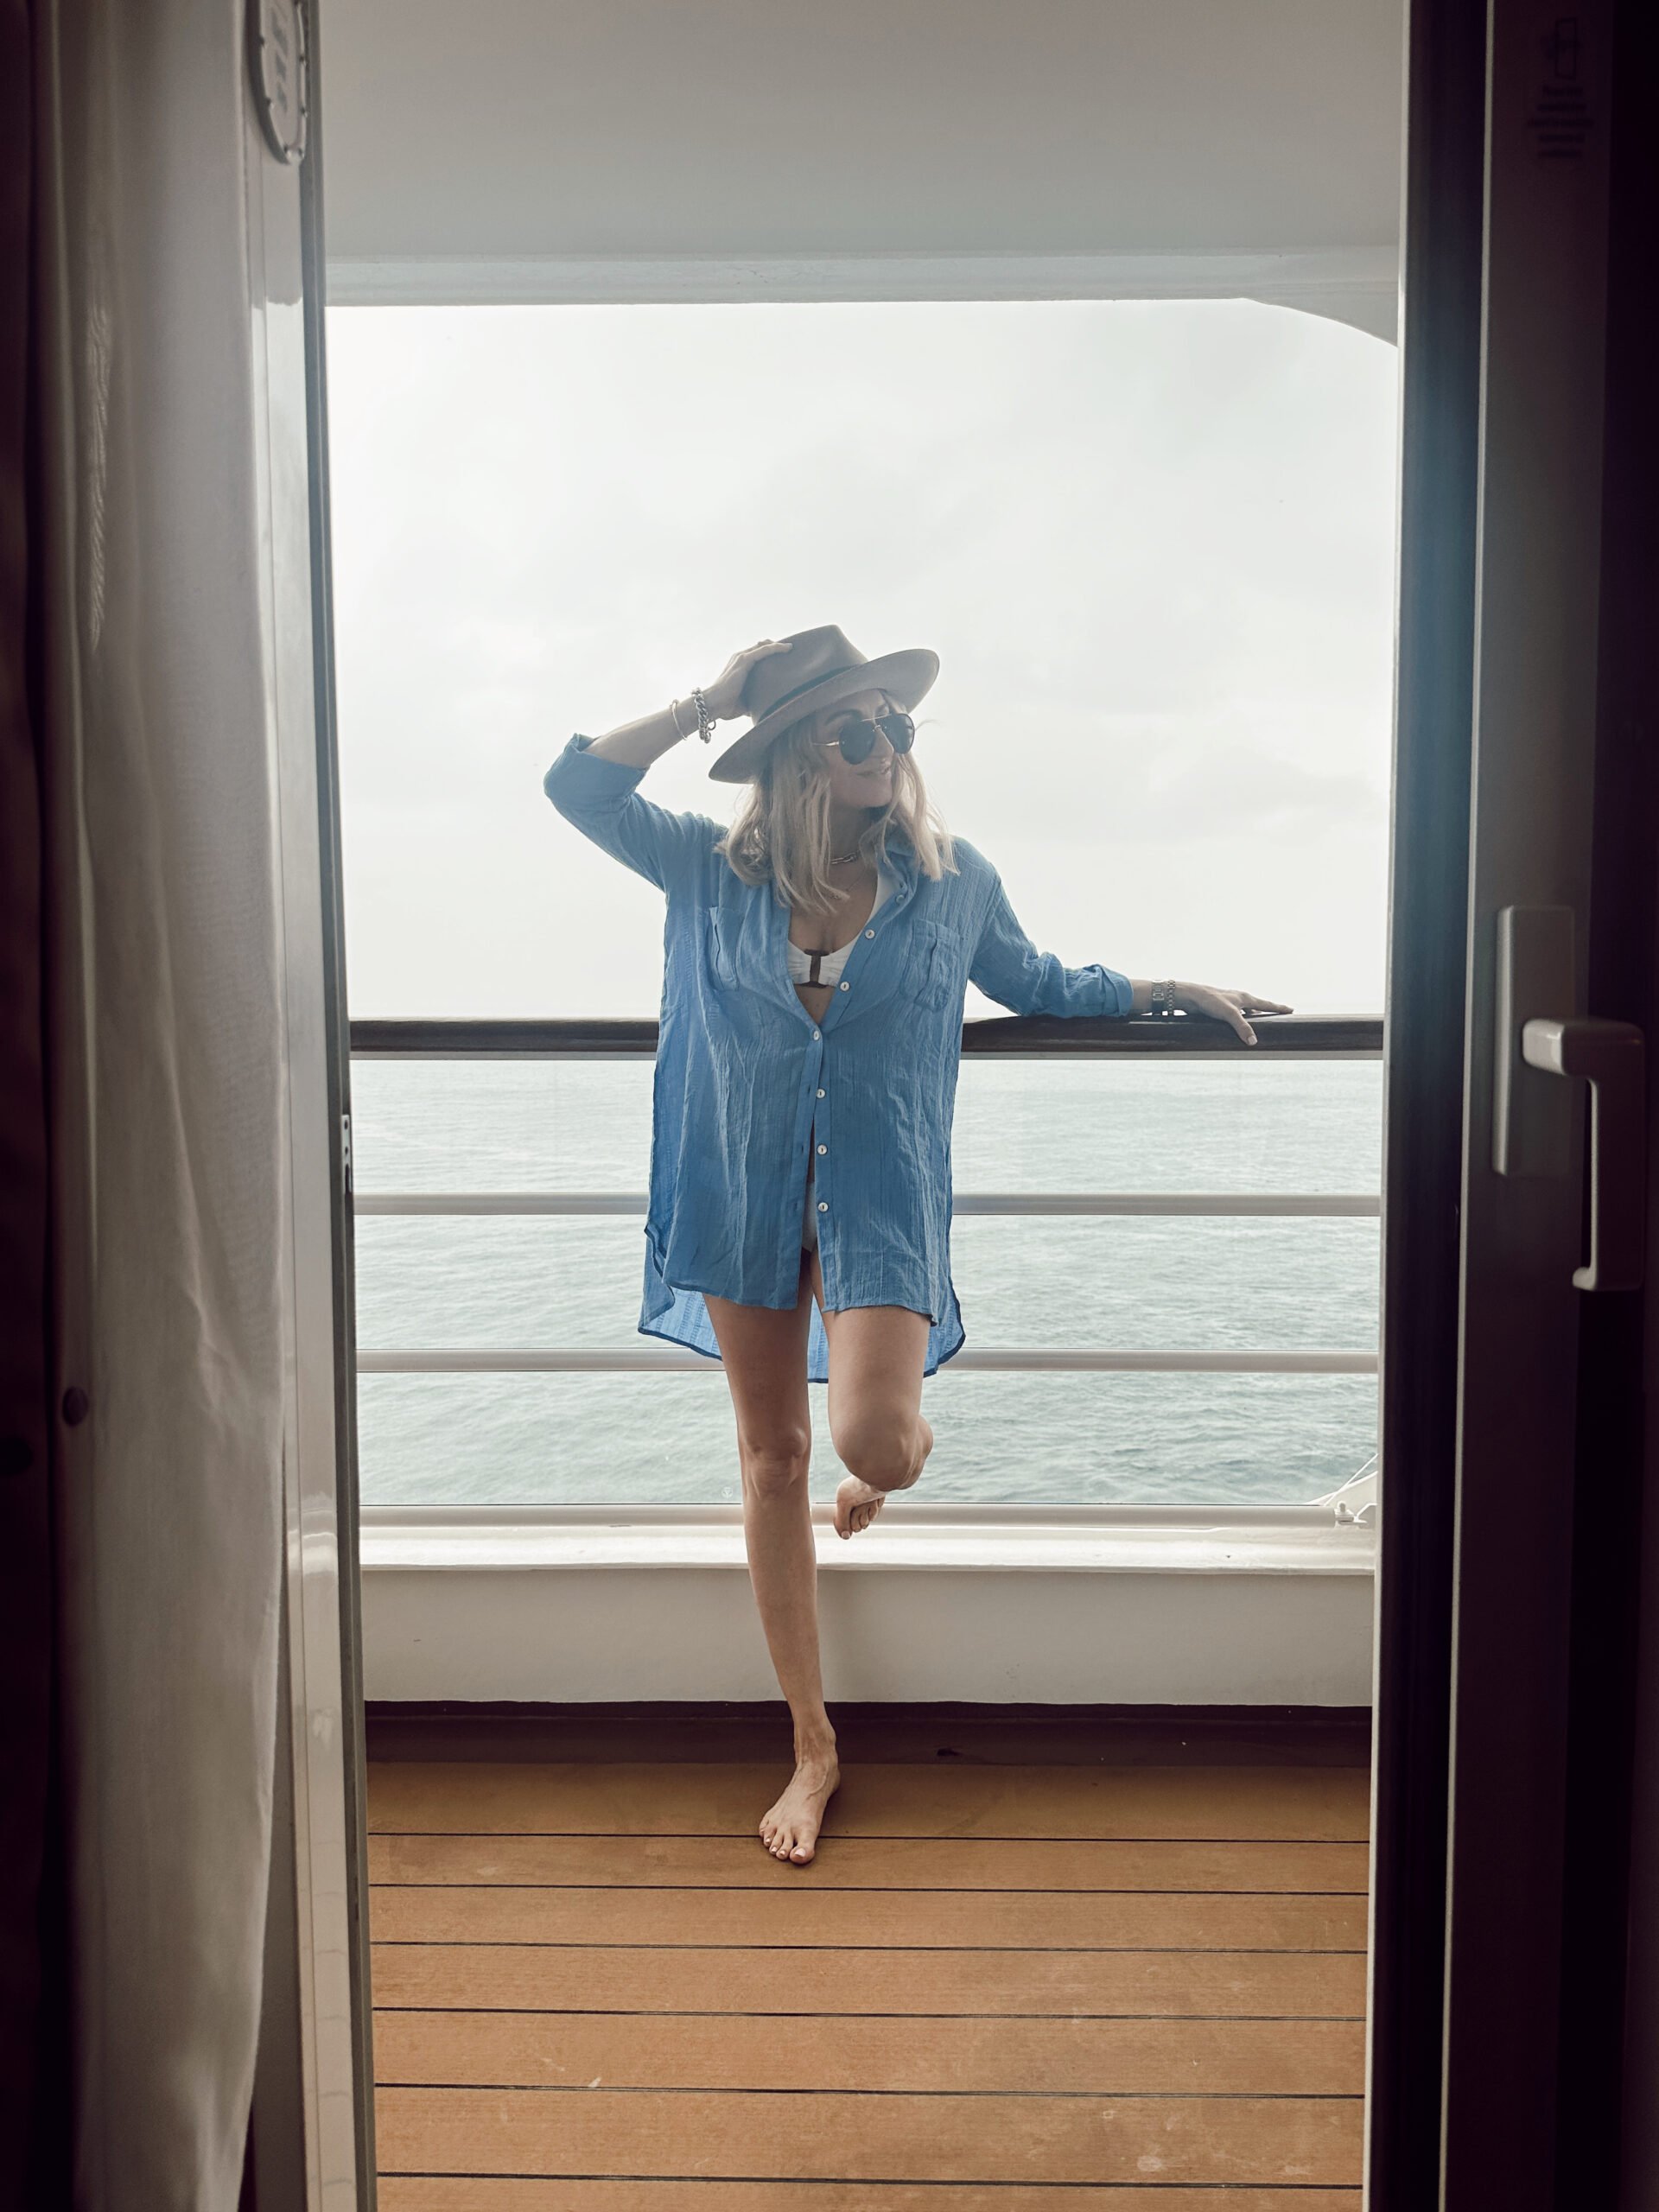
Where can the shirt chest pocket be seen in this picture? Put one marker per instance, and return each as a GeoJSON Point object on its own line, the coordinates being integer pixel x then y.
{"type": "Point", "coordinates": [934, 976]}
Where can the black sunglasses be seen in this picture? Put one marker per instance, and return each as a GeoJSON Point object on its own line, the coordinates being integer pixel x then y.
{"type": "Point", "coordinates": [857, 740]}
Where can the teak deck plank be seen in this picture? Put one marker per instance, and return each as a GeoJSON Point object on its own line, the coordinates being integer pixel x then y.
{"type": "Point", "coordinates": [447, 2193]}
{"type": "Point", "coordinates": [1010, 1920]}
{"type": "Point", "coordinates": [716, 2051]}
{"type": "Point", "coordinates": [1232, 1803]}
{"type": "Point", "coordinates": [1256, 1985]}
{"type": "Point", "coordinates": [1205, 2141]}
{"type": "Point", "coordinates": [869, 1863]}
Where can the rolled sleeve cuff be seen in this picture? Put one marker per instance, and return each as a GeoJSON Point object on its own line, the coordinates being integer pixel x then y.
{"type": "Point", "coordinates": [1123, 994]}
{"type": "Point", "coordinates": [580, 782]}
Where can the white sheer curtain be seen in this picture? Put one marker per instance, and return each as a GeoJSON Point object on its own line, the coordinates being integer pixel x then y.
{"type": "Point", "coordinates": [165, 976]}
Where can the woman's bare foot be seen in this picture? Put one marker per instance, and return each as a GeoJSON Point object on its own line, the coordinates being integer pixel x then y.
{"type": "Point", "coordinates": [857, 1503]}
{"type": "Point", "coordinates": [790, 1830]}
{"type": "Point", "coordinates": [857, 1506]}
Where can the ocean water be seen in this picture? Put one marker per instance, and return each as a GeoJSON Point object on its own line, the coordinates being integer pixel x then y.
{"type": "Point", "coordinates": [1237, 1125]}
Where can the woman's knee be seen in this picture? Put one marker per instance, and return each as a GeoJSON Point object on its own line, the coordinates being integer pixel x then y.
{"type": "Point", "coordinates": [774, 1464]}
{"type": "Point", "coordinates": [878, 1451]}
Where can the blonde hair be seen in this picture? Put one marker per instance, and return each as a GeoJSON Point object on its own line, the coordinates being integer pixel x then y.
{"type": "Point", "coordinates": [781, 833]}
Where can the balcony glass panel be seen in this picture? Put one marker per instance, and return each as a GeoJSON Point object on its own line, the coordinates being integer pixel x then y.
{"type": "Point", "coordinates": [1168, 1124]}
{"type": "Point", "coordinates": [1180, 1285]}
{"type": "Point", "coordinates": [1221, 1283]}
{"type": "Point", "coordinates": [501, 1125]}
{"type": "Point", "coordinates": [1013, 1439]}
{"type": "Point", "coordinates": [1021, 1125]}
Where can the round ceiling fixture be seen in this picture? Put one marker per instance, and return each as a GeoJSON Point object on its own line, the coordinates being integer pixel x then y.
{"type": "Point", "coordinates": [277, 63]}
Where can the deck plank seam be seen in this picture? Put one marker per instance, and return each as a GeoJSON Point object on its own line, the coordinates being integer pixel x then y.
{"type": "Point", "coordinates": [1030, 2096]}
{"type": "Point", "coordinates": [632, 2012]}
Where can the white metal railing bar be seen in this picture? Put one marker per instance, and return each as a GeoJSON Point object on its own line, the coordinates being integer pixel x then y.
{"type": "Point", "coordinates": [1325, 1206]}
{"type": "Point", "coordinates": [1221, 1514]}
{"type": "Point", "coordinates": [631, 1055]}
{"type": "Point", "coordinates": [996, 1360]}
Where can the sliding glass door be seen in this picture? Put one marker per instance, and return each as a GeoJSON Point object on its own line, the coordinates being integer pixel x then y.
{"type": "Point", "coordinates": [1496, 844]}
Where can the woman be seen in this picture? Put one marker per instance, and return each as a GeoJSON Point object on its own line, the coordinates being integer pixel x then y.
{"type": "Point", "coordinates": [816, 956]}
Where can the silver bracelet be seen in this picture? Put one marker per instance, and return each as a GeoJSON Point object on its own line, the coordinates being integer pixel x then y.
{"type": "Point", "coordinates": [1162, 999]}
{"type": "Point", "coordinates": [705, 719]}
{"type": "Point", "coordinates": [674, 716]}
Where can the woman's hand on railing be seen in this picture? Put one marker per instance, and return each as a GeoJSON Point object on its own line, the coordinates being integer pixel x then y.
{"type": "Point", "coordinates": [1217, 1005]}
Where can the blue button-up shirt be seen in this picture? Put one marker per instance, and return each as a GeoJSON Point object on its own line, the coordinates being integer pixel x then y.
{"type": "Point", "coordinates": [747, 1083]}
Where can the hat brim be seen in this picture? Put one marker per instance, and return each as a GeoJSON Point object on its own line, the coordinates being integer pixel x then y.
{"type": "Point", "coordinates": [908, 676]}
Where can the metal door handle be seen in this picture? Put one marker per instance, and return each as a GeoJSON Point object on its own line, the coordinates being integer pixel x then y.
{"type": "Point", "coordinates": [1611, 1058]}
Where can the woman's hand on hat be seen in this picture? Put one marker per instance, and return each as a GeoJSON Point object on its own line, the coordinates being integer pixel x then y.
{"type": "Point", "coordinates": [724, 696]}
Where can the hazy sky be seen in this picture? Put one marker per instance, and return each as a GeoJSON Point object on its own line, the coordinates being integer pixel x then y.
{"type": "Point", "coordinates": [1153, 544]}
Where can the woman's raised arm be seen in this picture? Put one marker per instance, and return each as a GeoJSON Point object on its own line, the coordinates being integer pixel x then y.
{"type": "Point", "coordinates": [594, 784]}
{"type": "Point", "coordinates": [635, 744]}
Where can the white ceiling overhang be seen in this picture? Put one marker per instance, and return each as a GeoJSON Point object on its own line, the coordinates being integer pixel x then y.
{"type": "Point", "coordinates": [951, 148]}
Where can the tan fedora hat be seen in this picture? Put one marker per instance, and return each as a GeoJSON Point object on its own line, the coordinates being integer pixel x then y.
{"type": "Point", "coordinates": [820, 667]}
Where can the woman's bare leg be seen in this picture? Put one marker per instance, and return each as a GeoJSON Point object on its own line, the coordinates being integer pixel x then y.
{"type": "Point", "coordinates": [763, 1351]}
{"type": "Point", "coordinates": [876, 1357]}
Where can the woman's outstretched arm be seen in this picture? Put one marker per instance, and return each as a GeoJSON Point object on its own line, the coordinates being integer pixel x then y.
{"type": "Point", "coordinates": [1007, 967]}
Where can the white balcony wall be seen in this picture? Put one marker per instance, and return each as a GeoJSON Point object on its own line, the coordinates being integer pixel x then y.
{"type": "Point", "coordinates": [1139, 1610]}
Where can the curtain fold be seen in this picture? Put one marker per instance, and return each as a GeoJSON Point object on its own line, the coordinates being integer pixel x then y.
{"type": "Point", "coordinates": [168, 1196]}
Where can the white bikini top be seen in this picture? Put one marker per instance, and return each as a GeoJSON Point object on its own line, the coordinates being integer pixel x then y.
{"type": "Point", "coordinates": [806, 967]}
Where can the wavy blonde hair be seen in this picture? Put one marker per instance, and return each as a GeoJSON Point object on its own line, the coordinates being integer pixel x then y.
{"type": "Point", "coordinates": [781, 832]}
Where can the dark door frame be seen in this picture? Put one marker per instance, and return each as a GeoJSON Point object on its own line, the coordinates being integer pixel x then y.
{"type": "Point", "coordinates": [1423, 1087]}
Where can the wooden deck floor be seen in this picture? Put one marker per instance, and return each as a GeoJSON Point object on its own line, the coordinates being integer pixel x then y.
{"type": "Point", "coordinates": [998, 1987]}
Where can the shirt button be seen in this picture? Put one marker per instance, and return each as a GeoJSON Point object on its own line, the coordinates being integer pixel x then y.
{"type": "Point", "coordinates": [820, 1094]}
{"type": "Point", "coordinates": [815, 1036]}
{"type": "Point", "coordinates": [824, 1148]}
{"type": "Point", "coordinates": [869, 932]}
{"type": "Point", "coordinates": [824, 1205]}
{"type": "Point", "coordinates": [846, 987]}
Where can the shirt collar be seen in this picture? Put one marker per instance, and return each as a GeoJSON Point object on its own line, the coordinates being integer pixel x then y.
{"type": "Point", "coordinates": [901, 858]}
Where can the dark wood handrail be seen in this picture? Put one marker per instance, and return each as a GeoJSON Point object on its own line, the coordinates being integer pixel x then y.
{"type": "Point", "coordinates": [1040, 1036]}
